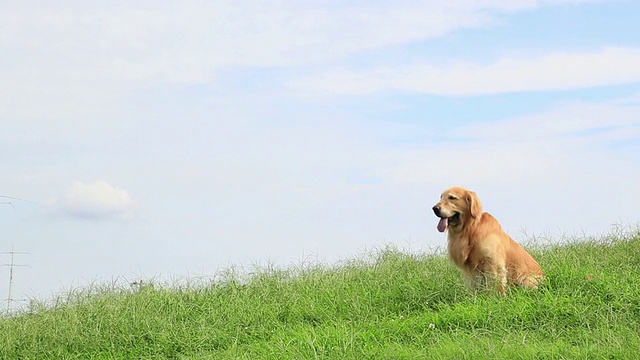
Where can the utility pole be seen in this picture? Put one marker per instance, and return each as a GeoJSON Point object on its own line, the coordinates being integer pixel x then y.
{"type": "Point", "coordinates": [11, 265]}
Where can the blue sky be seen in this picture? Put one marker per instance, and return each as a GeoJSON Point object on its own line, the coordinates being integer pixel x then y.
{"type": "Point", "coordinates": [164, 139]}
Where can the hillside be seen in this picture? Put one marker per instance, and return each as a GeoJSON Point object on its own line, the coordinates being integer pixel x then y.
{"type": "Point", "coordinates": [391, 305]}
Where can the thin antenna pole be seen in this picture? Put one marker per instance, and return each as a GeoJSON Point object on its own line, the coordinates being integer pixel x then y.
{"type": "Point", "coordinates": [11, 265]}
{"type": "Point", "coordinates": [10, 281]}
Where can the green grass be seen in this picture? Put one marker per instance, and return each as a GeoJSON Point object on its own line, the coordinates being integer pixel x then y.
{"type": "Point", "coordinates": [392, 305]}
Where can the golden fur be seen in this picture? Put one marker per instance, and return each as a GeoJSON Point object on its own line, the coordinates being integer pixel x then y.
{"type": "Point", "coordinates": [486, 255]}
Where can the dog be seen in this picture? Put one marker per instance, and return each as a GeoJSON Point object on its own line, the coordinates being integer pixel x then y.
{"type": "Point", "coordinates": [477, 245]}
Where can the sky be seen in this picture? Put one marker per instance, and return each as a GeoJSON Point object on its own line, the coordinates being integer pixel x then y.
{"type": "Point", "coordinates": [174, 140]}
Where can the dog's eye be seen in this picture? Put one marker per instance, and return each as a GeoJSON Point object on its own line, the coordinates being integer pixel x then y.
{"type": "Point", "coordinates": [452, 197]}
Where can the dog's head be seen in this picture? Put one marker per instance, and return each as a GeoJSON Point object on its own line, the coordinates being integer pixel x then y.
{"type": "Point", "coordinates": [456, 206]}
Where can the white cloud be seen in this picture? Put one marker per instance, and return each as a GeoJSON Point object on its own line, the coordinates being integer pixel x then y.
{"type": "Point", "coordinates": [588, 121]}
{"type": "Point", "coordinates": [556, 71]}
{"type": "Point", "coordinates": [147, 38]}
{"type": "Point", "coordinates": [92, 46]}
{"type": "Point", "coordinates": [563, 141]}
{"type": "Point", "coordinates": [79, 63]}
{"type": "Point", "coordinates": [98, 200]}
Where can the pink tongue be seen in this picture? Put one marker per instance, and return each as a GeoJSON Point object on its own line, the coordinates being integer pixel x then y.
{"type": "Point", "coordinates": [442, 224]}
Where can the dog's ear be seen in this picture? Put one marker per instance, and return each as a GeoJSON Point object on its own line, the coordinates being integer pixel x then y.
{"type": "Point", "coordinates": [475, 207]}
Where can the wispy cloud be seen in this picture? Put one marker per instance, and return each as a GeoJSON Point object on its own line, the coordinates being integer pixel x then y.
{"type": "Point", "coordinates": [547, 72]}
{"type": "Point", "coordinates": [564, 140]}
{"type": "Point", "coordinates": [97, 200]}
{"type": "Point", "coordinates": [589, 121]}
{"type": "Point", "coordinates": [191, 41]}
{"type": "Point", "coordinates": [80, 62]}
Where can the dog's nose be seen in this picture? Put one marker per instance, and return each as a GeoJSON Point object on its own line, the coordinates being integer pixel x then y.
{"type": "Point", "coordinates": [436, 209]}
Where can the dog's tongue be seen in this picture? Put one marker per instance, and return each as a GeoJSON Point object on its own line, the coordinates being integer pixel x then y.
{"type": "Point", "coordinates": [442, 224]}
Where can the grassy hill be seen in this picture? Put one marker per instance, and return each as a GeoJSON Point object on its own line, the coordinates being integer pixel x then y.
{"type": "Point", "coordinates": [391, 306]}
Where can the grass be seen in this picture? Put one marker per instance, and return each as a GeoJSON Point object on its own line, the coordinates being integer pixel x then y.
{"type": "Point", "coordinates": [392, 305]}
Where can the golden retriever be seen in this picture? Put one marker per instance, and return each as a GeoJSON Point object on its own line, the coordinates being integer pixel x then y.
{"type": "Point", "coordinates": [486, 255]}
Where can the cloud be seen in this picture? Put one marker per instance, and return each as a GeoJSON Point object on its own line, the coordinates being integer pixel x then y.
{"type": "Point", "coordinates": [555, 71]}
{"type": "Point", "coordinates": [563, 141]}
{"type": "Point", "coordinates": [79, 63]}
{"type": "Point", "coordinates": [592, 122]}
{"type": "Point", "coordinates": [97, 200]}
{"type": "Point", "coordinates": [191, 41]}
